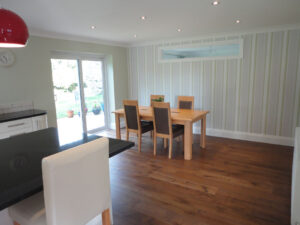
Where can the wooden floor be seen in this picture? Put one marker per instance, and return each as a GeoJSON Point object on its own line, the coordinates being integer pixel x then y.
{"type": "Point", "coordinates": [230, 182]}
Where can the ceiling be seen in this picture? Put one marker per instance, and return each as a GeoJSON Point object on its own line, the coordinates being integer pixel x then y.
{"type": "Point", "coordinates": [117, 21]}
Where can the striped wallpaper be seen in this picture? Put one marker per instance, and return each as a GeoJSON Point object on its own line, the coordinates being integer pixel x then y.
{"type": "Point", "coordinates": [258, 94]}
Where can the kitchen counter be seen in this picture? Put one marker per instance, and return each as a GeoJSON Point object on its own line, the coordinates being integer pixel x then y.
{"type": "Point", "coordinates": [21, 115]}
{"type": "Point", "coordinates": [21, 161]}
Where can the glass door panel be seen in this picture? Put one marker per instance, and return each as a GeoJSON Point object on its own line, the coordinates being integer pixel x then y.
{"type": "Point", "coordinates": [93, 85]}
{"type": "Point", "coordinates": [67, 99]}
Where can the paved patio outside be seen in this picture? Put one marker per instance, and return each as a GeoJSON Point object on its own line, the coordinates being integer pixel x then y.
{"type": "Point", "coordinates": [70, 129]}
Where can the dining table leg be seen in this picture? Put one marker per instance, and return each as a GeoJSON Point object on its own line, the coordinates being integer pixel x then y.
{"type": "Point", "coordinates": [118, 129]}
{"type": "Point", "coordinates": [203, 132]}
{"type": "Point", "coordinates": [188, 140]}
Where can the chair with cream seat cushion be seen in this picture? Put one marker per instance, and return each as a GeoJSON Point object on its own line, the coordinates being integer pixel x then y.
{"type": "Point", "coordinates": [76, 188]}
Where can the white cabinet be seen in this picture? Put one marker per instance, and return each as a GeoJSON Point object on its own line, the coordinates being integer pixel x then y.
{"type": "Point", "coordinates": [22, 126]}
{"type": "Point", "coordinates": [3, 135]}
{"type": "Point", "coordinates": [10, 126]}
{"type": "Point", "coordinates": [39, 122]}
{"type": "Point", "coordinates": [14, 128]}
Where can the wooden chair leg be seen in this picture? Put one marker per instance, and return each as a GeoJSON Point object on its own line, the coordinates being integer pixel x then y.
{"type": "Point", "coordinates": [106, 217]}
{"type": "Point", "coordinates": [170, 147]}
{"type": "Point", "coordinates": [15, 223]}
{"type": "Point", "coordinates": [140, 142]}
{"type": "Point", "coordinates": [154, 144]}
{"type": "Point", "coordinates": [127, 135]}
{"type": "Point", "coordinates": [165, 142]}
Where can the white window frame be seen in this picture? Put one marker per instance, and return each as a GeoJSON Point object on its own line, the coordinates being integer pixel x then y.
{"type": "Point", "coordinates": [90, 57]}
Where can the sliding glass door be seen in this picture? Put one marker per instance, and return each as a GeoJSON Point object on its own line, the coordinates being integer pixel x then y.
{"type": "Point", "coordinates": [92, 75]}
{"type": "Point", "coordinates": [79, 97]}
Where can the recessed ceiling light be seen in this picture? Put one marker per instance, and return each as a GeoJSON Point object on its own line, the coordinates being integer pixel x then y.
{"type": "Point", "coordinates": [143, 17]}
{"type": "Point", "coordinates": [215, 3]}
{"type": "Point", "coordinates": [135, 36]}
{"type": "Point", "coordinates": [93, 27]}
{"type": "Point", "coordinates": [179, 30]}
{"type": "Point", "coordinates": [237, 21]}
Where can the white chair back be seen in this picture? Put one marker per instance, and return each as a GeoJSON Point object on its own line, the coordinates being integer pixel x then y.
{"type": "Point", "coordinates": [76, 183]}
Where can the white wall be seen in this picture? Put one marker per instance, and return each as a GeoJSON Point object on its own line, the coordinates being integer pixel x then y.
{"type": "Point", "coordinates": [254, 98]}
{"type": "Point", "coordinates": [295, 215]}
{"type": "Point", "coordinates": [30, 78]}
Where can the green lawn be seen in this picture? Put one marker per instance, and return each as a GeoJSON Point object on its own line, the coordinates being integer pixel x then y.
{"type": "Point", "coordinates": [63, 106]}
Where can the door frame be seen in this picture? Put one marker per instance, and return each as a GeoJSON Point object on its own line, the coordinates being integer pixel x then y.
{"type": "Point", "coordinates": [88, 57]}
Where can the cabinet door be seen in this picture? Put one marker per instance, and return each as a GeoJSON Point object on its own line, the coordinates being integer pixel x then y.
{"type": "Point", "coordinates": [39, 122]}
{"type": "Point", "coordinates": [15, 125]}
{"type": "Point", "coordinates": [4, 135]}
{"type": "Point", "coordinates": [14, 128]}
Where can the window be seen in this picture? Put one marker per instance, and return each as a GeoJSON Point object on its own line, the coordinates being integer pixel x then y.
{"type": "Point", "coordinates": [216, 50]}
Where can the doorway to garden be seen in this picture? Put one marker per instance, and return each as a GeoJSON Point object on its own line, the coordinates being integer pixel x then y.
{"type": "Point", "coordinates": [79, 93]}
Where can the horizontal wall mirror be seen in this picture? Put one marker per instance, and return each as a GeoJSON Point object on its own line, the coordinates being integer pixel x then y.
{"type": "Point", "coordinates": [214, 50]}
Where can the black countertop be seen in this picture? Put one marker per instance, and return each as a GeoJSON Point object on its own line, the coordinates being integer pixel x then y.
{"type": "Point", "coordinates": [21, 115]}
{"type": "Point", "coordinates": [21, 157]}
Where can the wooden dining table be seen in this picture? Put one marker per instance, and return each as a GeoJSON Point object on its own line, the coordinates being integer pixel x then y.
{"type": "Point", "coordinates": [186, 117]}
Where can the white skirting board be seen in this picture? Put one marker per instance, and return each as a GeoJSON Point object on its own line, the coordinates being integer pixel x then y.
{"type": "Point", "coordinates": [270, 139]}
{"type": "Point", "coordinates": [295, 202]}
{"type": "Point", "coordinates": [113, 125]}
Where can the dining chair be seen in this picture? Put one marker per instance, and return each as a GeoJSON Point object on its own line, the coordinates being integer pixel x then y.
{"type": "Point", "coordinates": [133, 121]}
{"type": "Point", "coordinates": [154, 98]}
{"type": "Point", "coordinates": [185, 102]}
{"type": "Point", "coordinates": [163, 125]}
{"type": "Point", "coordinates": [76, 189]}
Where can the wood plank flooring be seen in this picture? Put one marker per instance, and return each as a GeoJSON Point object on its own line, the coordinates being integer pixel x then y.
{"type": "Point", "coordinates": [230, 182]}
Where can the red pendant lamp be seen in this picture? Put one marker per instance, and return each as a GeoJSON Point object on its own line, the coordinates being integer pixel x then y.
{"type": "Point", "coordinates": [13, 30]}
